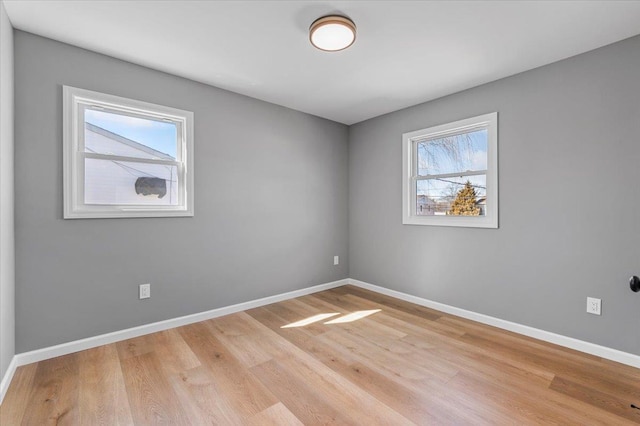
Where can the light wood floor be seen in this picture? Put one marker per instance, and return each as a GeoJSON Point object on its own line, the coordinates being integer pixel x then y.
{"type": "Point", "coordinates": [402, 364]}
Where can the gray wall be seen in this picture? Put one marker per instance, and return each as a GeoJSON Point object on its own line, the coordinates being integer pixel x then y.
{"type": "Point", "coordinates": [568, 158]}
{"type": "Point", "coordinates": [270, 205]}
{"type": "Point", "coordinates": [569, 161]}
{"type": "Point", "coordinates": [7, 263]}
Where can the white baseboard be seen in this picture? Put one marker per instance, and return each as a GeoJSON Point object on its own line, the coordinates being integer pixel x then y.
{"type": "Point", "coordinates": [8, 376]}
{"type": "Point", "coordinates": [547, 336]}
{"type": "Point", "coordinates": [116, 336]}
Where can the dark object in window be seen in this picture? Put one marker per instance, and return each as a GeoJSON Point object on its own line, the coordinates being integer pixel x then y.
{"type": "Point", "coordinates": [151, 186]}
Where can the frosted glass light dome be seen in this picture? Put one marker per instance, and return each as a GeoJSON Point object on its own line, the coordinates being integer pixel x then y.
{"type": "Point", "coordinates": [332, 33]}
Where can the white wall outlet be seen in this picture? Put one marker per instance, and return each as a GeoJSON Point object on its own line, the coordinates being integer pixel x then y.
{"type": "Point", "coordinates": [145, 291]}
{"type": "Point", "coordinates": [594, 306]}
{"type": "Point", "coordinates": [336, 260]}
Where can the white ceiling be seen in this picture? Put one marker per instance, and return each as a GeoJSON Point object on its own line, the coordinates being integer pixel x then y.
{"type": "Point", "coordinates": [406, 52]}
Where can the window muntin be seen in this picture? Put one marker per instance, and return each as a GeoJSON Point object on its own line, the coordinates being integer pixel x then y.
{"type": "Point", "coordinates": [450, 174]}
{"type": "Point", "coordinates": [126, 158]}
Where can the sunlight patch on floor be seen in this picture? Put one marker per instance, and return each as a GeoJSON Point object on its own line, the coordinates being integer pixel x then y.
{"type": "Point", "coordinates": [354, 316]}
{"type": "Point", "coordinates": [310, 320]}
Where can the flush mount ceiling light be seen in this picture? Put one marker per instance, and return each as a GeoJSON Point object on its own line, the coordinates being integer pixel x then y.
{"type": "Point", "coordinates": [332, 33]}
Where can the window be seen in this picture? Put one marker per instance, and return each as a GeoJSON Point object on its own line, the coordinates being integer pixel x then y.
{"type": "Point", "coordinates": [125, 158]}
{"type": "Point", "coordinates": [450, 174]}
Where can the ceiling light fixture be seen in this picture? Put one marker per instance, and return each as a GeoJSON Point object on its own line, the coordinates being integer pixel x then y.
{"type": "Point", "coordinates": [332, 33]}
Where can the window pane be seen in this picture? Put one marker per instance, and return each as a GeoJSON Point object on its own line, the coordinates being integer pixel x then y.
{"type": "Point", "coordinates": [129, 183]}
{"type": "Point", "coordinates": [118, 134]}
{"type": "Point", "coordinates": [452, 196]}
{"type": "Point", "coordinates": [451, 154]}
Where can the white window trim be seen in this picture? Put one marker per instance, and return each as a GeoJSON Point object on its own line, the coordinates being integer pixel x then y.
{"type": "Point", "coordinates": [73, 175]}
{"type": "Point", "coordinates": [409, 166]}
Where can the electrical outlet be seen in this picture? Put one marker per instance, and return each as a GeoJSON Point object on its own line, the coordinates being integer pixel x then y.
{"type": "Point", "coordinates": [594, 306]}
{"type": "Point", "coordinates": [336, 260]}
{"type": "Point", "coordinates": [145, 291]}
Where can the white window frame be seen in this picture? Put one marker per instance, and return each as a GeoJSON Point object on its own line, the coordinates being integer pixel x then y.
{"type": "Point", "coordinates": [410, 172]}
{"type": "Point", "coordinates": [75, 102]}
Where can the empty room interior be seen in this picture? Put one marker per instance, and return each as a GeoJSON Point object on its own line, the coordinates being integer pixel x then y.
{"type": "Point", "coordinates": [319, 212]}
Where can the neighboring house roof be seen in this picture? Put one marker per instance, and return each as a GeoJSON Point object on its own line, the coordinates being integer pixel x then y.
{"type": "Point", "coordinates": [129, 142]}
{"type": "Point", "coordinates": [425, 199]}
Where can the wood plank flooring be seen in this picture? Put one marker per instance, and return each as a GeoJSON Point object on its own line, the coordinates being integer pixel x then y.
{"type": "Point", "coordinates": [398, 364]}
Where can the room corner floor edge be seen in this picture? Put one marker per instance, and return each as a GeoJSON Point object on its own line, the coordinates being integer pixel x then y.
{"type": "Point", "coordinates": [92, 342]}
